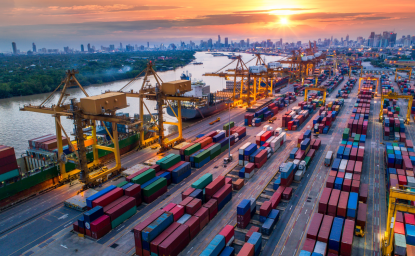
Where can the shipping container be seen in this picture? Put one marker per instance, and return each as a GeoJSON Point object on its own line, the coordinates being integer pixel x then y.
{"type": "Point", "coordinates": [347, 237]}
{"type": "Point", "coordinates": [314, 226]}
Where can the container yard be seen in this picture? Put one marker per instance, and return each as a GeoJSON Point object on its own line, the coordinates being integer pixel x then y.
{"type": "Point", "coordinates": [287, 176]}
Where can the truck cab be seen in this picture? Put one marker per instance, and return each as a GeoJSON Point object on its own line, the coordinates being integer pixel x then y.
{"type": "Point", "coordinates": [328, 158]}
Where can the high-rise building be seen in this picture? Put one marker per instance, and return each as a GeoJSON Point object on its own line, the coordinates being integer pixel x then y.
{"type": "Point", "coordinates": [148, 44]}
{"type": "Point", "coordinates": [413, 53]}
{"type": "Point", "coordinates": [120, 46]}
{"type": "Point", "coordinates": [210, 43]}
{"type": "Point", "coordinates": [82, 48]}
{"type": "Point", "coordinates": [298, 43]}
{"type": "Point", "coordinates": [219, 39]}
{"type": "Point", "coordinates": [242, 43]}
{"type": "Point", "coordinates": [269, 43]}
{"type": "Point", "coordinates": [392, 39]}
{"type": "Point", "coordinates": [247, 42]}
{"type": "Point", "coordinates": [360, 40]}
{"type": "Point", "coordinates": [226, 42]}
{"type": "Point", "coordinates": [14, 48]}
{"type": "Point", "coordinates": [347, 38]}
{"type": "Point", "coordinates": [89, 47]}
{"type": "Point", "coordinates": [33, 47]}
{"type": "Point", "coordinates": [112, 47]}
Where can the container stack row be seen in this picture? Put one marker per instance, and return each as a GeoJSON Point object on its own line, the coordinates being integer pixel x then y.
{"type": "Point", "coordinates": [306, 148]}
{"type": "Point", "coordinates": [346, 89]}
{"type": "Point", "coordinates": [404, 234]}
{"type": "Point", "coordinates": [297, 116]}
{"type": "Point", "coordinates": [9, 170]}
{"type": "Point", "coordinates": [405, 87]}
{"type": "Point", "coordinates": [323, 122]}
{"type": "Point", "coordinates": [49, 143]}
{"type": "Point", "coordinates": [108, 208]}
{"type": "Point", "coordinates": [333, 82]}
{"type": "Point", "coordinates": [220, 245]}
{"type": "Point", "coordinates": [169, 230]}
{"type": "Point", "coordinates": [400, 162]}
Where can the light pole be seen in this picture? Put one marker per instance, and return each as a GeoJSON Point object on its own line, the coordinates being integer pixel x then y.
{"type": "Point", "coordinates": [229, 127]}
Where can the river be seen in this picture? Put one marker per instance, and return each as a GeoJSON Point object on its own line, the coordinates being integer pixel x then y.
{"type": "Point", "coordinates": [17, 127]}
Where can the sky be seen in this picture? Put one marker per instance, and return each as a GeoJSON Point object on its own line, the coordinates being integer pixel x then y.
{"type": "Point", "coordinates": [55, 24]}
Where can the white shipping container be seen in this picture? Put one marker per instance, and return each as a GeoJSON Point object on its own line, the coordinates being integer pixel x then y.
{"type": "Point", "coordinates": [253, 203]}
{"type": "Point", "coordinates": [270, 128]}
{"type": "Point", "coordinates": [298, 175]}
{"type": "Point", "coordinates": [320, 247]}
{"type": "Point", "coordinates": [343, 165]}
{"type": "Point", "coordinates": [296, 161]}
{"type": "Point", "coordinates": [241, 162]}
{"type": "Point", "coordinates": [249, 175]}
{"type": "Point", "coordinates": [411, 181]}
{"type": "Point", "coordinates": [265, 128]}
{"type": "Point", "coordinates": [230, 241]}
{"type": "Point", "coordinates": [258, 136]}
{"type": "Point", "coordinates": [278, 131]}
{"type": "Point", "coordinates": [348, 176]}
{"type": "Point", "coordinates": [269, 155]}
{"type": "Point", "coordinates": [270, 139]}
{"type": "Point", "coordinates": [242, 149]}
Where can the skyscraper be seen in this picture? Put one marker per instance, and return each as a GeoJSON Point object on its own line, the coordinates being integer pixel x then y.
{"type": "Point", "coordinates": [210, 43]}
{"type": "Point", "coordinates": [14, 48]}
{"type": "Point", "coordinates": [82, 48]}
{"type": "Point", "coordinates": [148, 44]}
{"type": "Point", "coordinates": [112, 47]}
{"type": "Point", "coordinates": [33, 47]}
{"type": "Point", "coordinates": [247, 42]}
{"type": "Point", "coordinates": [120, 46]}
{"type": "Point", "coordinates": [226, 42]}
{"type": "Point", "coordinates": [392, 39]}
{"type": "Point", "coordinates": [89, 47]}
{"type": "Point", "coordinates": [218, 39]}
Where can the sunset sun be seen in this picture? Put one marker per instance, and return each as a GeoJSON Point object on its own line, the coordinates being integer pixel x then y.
{"type": "Point", "coordinates": [284, 21]}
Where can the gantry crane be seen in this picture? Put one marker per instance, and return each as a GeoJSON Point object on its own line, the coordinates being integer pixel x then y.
{"type": "Point", "coordinates": [393, 207]}
{"type": "Point", "coordinates": [370, 78]}
{"type": "Point", "coordinates": [355, 66]}
{"type": "Point", "coordinates": [164, 93]}
{"type": "Point", "coordinates": [84, 113]}
{"type": "Point", "coordinates": [395, 96]}
{"type": "Point", "coordinates": [403, 69]}
{"type": "Point", "coordinates": [315, 89]}
{"type": "Point", "coordinates": [326, 67]}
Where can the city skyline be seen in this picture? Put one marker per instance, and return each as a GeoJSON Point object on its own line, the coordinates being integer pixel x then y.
{"type": "Point", "coordinates": [51, 23]}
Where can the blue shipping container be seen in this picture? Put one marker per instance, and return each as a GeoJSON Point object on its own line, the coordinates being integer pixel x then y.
{"type": "Point", "coordinates": [156, 227]}
{"type": "Point", "coordinates": [352, 205]}
{"type": "Point", "coordinates": [127, 186]}
{"type": "Point", "coordinates": [410, 234]}
{"type": "Point", "coordinates": [150, 181]}
{"type": "Point", "coordinates": [92, 215]}
{"type": "Point", "coordinates": [215, 246]}
{"type": "Point", "coordinates": [256, 240]}
{"type": "Point", "coordinates": [335, 234]}
{"type": "Point", "coordinates": [243, 207]}
{"type": "Point", "coordinates": [225, 201]}
{"type": "Point", "coordinates": [228, 251]}
{"type": "Point", "coordinates": [250, 149]}
{"type": "Point", "coordinates": [338, 182]}
{"type": "Point", "coordinates": [336, 164]}
{"type": "Point", "coordinates": [99, 194]}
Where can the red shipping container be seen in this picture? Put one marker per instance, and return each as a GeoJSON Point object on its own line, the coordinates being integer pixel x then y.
{"type": "Point", "coordinates": [347, 238]}
{"type": "Point", "coordinates": [194, 225]}
{"type": "Point", "coordinates": [156, 195]}
{"type": "Point", "coordinates": [323, 235]}
{"type": "Point", "coordinates": [361, 215]}
{"type": "Point", "coordinates": [138, 228]}
{"type": "Point", "coordinates": [185, 202]}
{"type": "Point", "coordinates": [358, 167]}
{"type": "Point", "coordinates": [250, 232]}
{"type": "Point", "coordinates": [309, 245]}
{"type": "Point", "coordinates": [347, 184]}
{"type": "Point", "coordinates": [187, 192]}
{"type": "Point", "coordinates": [168, 207]}
{"type": "Point", "coordinates": [350, 166]}
{"type": "Point", "coordinates": [400, 172]}
{"type": "Point", "coordinates": [402, 180]}
{"type": "Point", "coordinates": [409, 218]}
{"type": "Point", "coordinates": [115, 203]}
{"type": "Point", "coordinates": [228, 232]}
{"type": "Point", "coordinates": [134, 191]}
{"type": "Point", "coordinates": [247, 250]}
{"type": "Point", "coordinates": [317, 144]}
{"type": "Point", "coordinates": [75, 226]}
{"type": "Point", "coordinates": [222, 193]}
{"type": "Point", "coordinates": [121, 208]}
{"type": "Point", "coordinates": [8, 160]}
{"type": "Point", "coordinates": [249, 167]}
{"type": "Point", "coordinates": [8, 168]}
{"type": "Point", "coordinates": [334, 199]}
{"type": "Point", "coordinates": [342, 206]}
{"type": "Point", "coordinates": [242, 221]}
{"type": "Point", "coordinates": [178, 212]}
{"type": "Point", "coordinates": [6, 151]}
{"type": "Point", "coordinates": [356, 176]}
{"type": "Point", "coordinates": [160, 238]}
{"type": "Point", "coordinates": [399, 228]}
{"type": "Point", "coordinates": [364, 189]}
{"type": "Point", "coordinates": [333, 173]}
{"type": "Point", "coordinates": [287, 193]}
{"type": "Point", "coordinates": [355, 186]}
{"type": "Point", "coordinates": [108, 198]}
{"type": "Point", "coordinates": [265, 209]}
{"type": "Point", "coordinates": [324, 200]}
{"type": "Point", "coordinates": [340, 175]}
{"type": "Point", "coordinates": [176, 242]}
{"type": "Point", "coordinates": [212, 206]}
{"type": "Point", "coordinates": [330, 182]}
{"type": "Point", "coordinates": [203, 215]}
{"type": "Point", "coordinates": [228, 181]}
{"type": "Point", "coordinates": [314, 226]}
{"type": "Point", "coordinates": [100, 233]}
{"type": "Point", "coordinates": [100, 223]}
{"type": "Point", "coordinates": [193, 206]}
{"type": "Point", "coordinates": [275, 200]}
{"type": "Point", "coordinates": [262, 155]}
{"type": "Point", "coordinates": [214, 186]}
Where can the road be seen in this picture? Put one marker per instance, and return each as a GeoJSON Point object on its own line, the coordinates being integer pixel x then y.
{"type": "Point", "coordinates": [40, 224]}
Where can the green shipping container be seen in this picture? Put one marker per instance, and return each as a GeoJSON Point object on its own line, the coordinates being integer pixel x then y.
{"type": "Point", "coordinates": [144, 177]}
{"type": "Point", "coordinates": [224, 148]}
{"type": "Point", "coordinates": [203, 181]}
{"type": "Point", "coordinates": [202, 156]}
{"type": "Point", "coordinates": [357, 138]}
{"type": "Point", "coordinates": [346, 133]}
{"type": "Point", "coordinates": [164, 159]}
{"type": "Point", "coordinates": [215, 148]}
{"type": "Point", "coordinates": [191, 150]}
{"type": "Point", "coordinates": [227, 126]}
{"type": "Point", "coordinates": [154, 187]}
{"type": "Point", "coordinates": [122, 184]}
{"type": "Point", "coordinates": [9, 175]}
{"type": "Point", "coordinates": [307, 160]}
{"type": "Point", "coordinates": [170, 162]}
{"type": "Point", "coordinates": [390, 151]}
{"type": "Point", "coordinates": [126, 215]}
{"type": "Point", "coordinates": [395, 144]}
{"type": "Point", "coordinates": [214, 154]}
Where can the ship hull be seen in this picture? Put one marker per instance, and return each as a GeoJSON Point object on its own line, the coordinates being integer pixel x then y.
{"type": "Point", "coordinates": [192, 113]}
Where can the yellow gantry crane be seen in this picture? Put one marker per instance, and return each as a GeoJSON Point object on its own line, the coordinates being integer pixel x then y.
{"type": "Point", "coordinates": [315, 89]}
{"type": "Point", "coordinates": [395, 96]}
{"type": "Point", "coordinates": [409, 69]}
{"type": "Point", "coordinates": [354, 67]}
{"type": "Point", "coordinates": [84, 113]}
{"type": "Point", "coordinates": [164, 94]}
{"type": "Point", "coordinates": [370, 78]}
{"type": "Point", "coordinates": [393, 208]}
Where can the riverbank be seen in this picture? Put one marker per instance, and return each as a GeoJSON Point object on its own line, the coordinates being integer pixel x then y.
{"type": "Point", "coordinates": [35, 74]}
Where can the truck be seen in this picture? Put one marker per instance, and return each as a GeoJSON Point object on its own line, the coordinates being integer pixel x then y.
{"type": "Point", "coordinates": [328, 158]}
